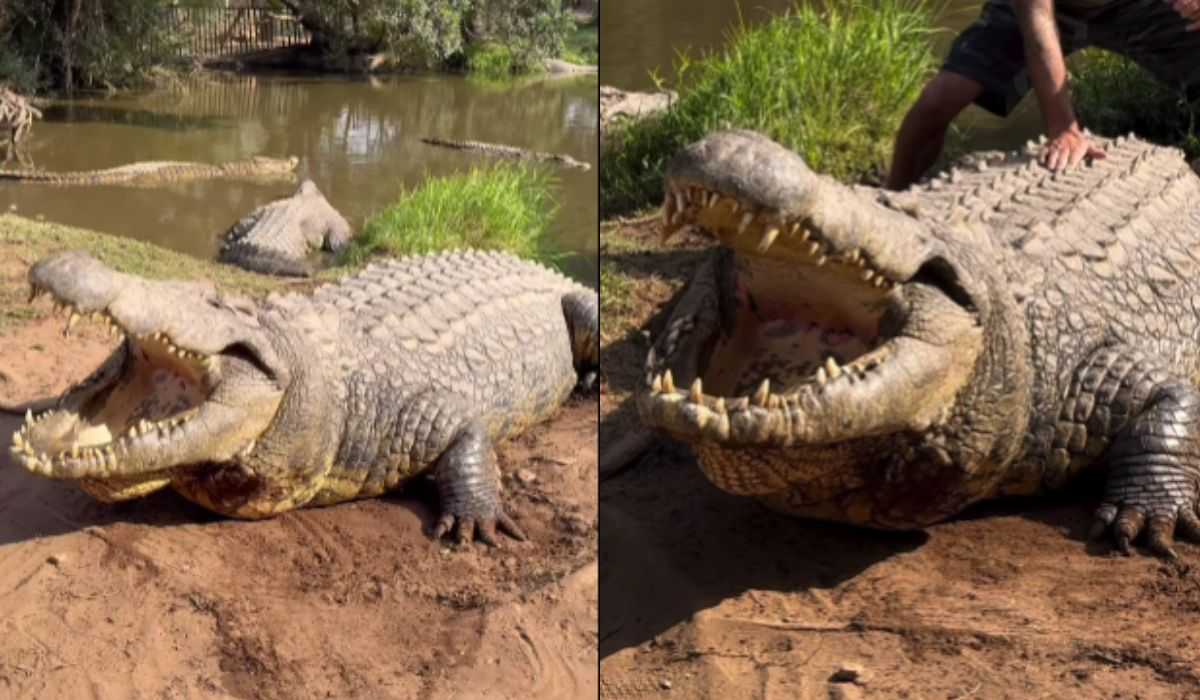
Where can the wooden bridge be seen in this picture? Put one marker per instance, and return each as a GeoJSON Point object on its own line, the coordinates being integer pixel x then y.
{"type": "Point", "coordinates": [214, 32]}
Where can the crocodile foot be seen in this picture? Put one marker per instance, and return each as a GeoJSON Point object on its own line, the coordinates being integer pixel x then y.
{"type": "Point", "coordinates": [1128, 520]}
{"type": "Point", "coordinates": [1153, 484]}
{"type": "Point", "coordinates": [466, 527]}
{"type": "Point", "coordinates": [468, 483]}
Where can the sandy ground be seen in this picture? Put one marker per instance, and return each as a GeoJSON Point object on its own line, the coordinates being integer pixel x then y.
{"type": "Point", "coordinates": [708, 595]}
{"type": "Point", "coordinates": [159, 599]}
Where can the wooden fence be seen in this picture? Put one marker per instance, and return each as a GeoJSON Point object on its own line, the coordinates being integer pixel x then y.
{"type": "Point", "coordinates": [228, 31]}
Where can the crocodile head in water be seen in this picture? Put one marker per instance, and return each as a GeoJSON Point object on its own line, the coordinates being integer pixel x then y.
{"type": "Point", "coordinates": [194, 381]}
{"type": "Point", "coordinates": [829, 339]}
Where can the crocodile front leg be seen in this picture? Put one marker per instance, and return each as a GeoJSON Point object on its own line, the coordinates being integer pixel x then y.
{"type": "Point", "coordinates": [1145, 424]}
{"type": "Point", "coordinates": [469, 490]}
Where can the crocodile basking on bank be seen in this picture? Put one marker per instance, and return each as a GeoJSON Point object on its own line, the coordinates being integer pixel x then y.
{"type": "Point", "coordinates": [254, 407]}
{"type": "Point", "coordinates": [161, 172]}
{"type": "Point", "coordinates": [888, 359]}
{"type": "Point", "coordinates": [276, 238]}
{"type": "Point", "coordinates": [496, 149]}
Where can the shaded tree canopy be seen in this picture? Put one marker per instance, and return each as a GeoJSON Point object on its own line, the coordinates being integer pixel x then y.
{"type": "Point", "coordinates": [115, 43]}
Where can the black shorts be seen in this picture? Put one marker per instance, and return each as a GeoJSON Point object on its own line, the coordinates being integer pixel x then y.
{"type": "Point", "coordinates": [991, 51]}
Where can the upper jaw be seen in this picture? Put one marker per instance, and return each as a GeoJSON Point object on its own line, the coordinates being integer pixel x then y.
{"type": "Point", "coordinates": [760, 198]}
{"type": "Point", "coordinates": [104, 425]}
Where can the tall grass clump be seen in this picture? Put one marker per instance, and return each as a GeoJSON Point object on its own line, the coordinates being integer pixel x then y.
{"type": "Point", "coordinates": [1113, 95]}
{"type": "Point", "coordinates": [831, 82]}
{"type": "Point", "coordinates": [505, 207]}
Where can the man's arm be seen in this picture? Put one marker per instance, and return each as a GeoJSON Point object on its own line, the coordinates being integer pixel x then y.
{"type": "Point", "coordinates": [1048, 72]}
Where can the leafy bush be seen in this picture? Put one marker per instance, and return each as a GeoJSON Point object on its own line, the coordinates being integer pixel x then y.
{"type": "Point", "coordinates": [831, 83]}
{"type": "Point", "coordinates": [429, 33]}
{"type": "Point", "coordinates": [499, 208]}
{"type": "Point", "coordinates": [1113, 95]}
{"type": "Point", "coordinates": [83, 43]}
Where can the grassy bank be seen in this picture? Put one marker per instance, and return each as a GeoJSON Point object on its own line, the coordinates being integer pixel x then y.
{"type": "Point", "coordinates": [1114, 95]}
{"type": "Point", "coordinates": [505, 207]}
{"type": "Point", "coordinates": [24, 241]}
{"type": "Point", "coordinates": [831, 83]}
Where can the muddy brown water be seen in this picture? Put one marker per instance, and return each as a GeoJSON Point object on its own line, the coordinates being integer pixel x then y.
{"type": "Point", "coordinates": [640, 40]}
{"type": "Point", "coordinates": [358, 140]}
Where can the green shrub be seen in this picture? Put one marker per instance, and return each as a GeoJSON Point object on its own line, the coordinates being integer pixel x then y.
{"type": "Point", "coordinates": [504, 207]}
{"type": "Point", "coordinates": [583, 45]}
{"type": "Point", "coordinates": [1113, 96]}
{"type": "Point", "coordinates": [490, 61]}
{"type": "Point", "coordinates": [831, 83]}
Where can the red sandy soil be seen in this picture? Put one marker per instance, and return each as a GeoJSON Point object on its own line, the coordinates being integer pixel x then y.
{"type": "Point", "coordinates": [157, 598]}
{"type": "Point", "coordinates": [708, 595]}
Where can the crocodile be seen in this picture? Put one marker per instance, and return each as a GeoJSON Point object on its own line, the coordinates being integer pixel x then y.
{"type": "Point", "coordinates": [277, 237]}
{"type": "Point", "coordinates": [253, 407]}
{"type": "Point", "coordinates": [888, 359]}
{"type": "Point", "coordinates": [160, 172]}
{"type": "Point", "coordinates": [496, 149]}
{"type": "Point", "coordinates": [16, 118]}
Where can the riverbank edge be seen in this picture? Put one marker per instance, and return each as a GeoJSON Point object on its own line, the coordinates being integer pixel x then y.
{"type": "Point", "coordinates": [25, 241]}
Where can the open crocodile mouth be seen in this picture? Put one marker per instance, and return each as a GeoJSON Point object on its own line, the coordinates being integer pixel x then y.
{"type": "Point", "coordinates": [136, 402]}
{"type": "Point", "coordinates": [817, 342]}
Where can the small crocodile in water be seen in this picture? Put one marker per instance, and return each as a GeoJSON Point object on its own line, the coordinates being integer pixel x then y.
{"type": "Point", "coordinates": [162, 172]}
{"type": "Point", "coordinates": [255, 407]}
{"type": "Point", "coordinates": [496, 149]}
{"type": "Point", "coordinates": [276, 238]}
{"type": "Point", "coordinates": [889, 359]}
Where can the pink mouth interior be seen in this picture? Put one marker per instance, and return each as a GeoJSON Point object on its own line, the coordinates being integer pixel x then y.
{"type": "Point", "coordinates": [790, 319]}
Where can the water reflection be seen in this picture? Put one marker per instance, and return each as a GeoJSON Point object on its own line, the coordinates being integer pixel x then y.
{"type": "Point", "coordinates": [358, 139]}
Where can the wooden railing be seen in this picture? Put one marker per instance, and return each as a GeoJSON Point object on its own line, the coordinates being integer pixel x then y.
{"type": "Point", "coordinates": [228, 31]}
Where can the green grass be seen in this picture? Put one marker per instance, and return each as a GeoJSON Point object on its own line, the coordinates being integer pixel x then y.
{"type": "Point", "coordinates": [583, 45]}
{"type": "Point", "coordinates": [505, 207]}
{"type": "Point", "coordinates": [615, 291]}
{"type": "Point", "coordinates": [830, 82]}
{"type": "Point", "coordinates": [1114, 95]}
{"type": "Point", "coordinates": [24, 242]}
{"type": "Point", "coordinates": [27, 241]}
{"type": "Point", "coordinates": [491, 61]}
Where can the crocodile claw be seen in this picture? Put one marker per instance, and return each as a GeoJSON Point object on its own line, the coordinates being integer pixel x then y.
{"type": "Point", "coordinates": [1129, 521]}
{"type": "Point", "coordinates": [465, 528]}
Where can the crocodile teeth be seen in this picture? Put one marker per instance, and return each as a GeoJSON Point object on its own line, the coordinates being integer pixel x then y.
{"type": "Point", "coordinates": [697, 394]}
{"type": "Point", "coordinates": [814, 248]}
{"type": "Point", "coordinates": [831, 366]}
{"type": "Point", "coordinates": [821, 376]}
{"type": "Point", "coordinates": [741, 403]}
{"type": "Point", "coordinates": [867, 275]}
{"type": "Point", "coordinates": [71, 321]}
{"type": "Point", "coordinates": [713, 197]}
{"type": "Point", "coordinates": [745, 223]}
{"type": "Point", "coordinates": [767, 239]}
{"type": "Point", "coordinates": [822, 260]}
{"type": "Point", "coordinates": [719, 406]}
{"type": "Point", "coordinates": [656, 384]}
{"type": "Point", "coordinates": [763, 393]}
{"type": "Point", "coordinates": [679, 202]}
{"type": "Point", "coordinates": [668, 382]}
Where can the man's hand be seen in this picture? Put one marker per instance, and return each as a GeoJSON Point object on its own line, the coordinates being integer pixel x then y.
{"type": "Point", "coordinates": [1067, 149]}
{"type": "Point", "coordinates": [1189, 10]}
